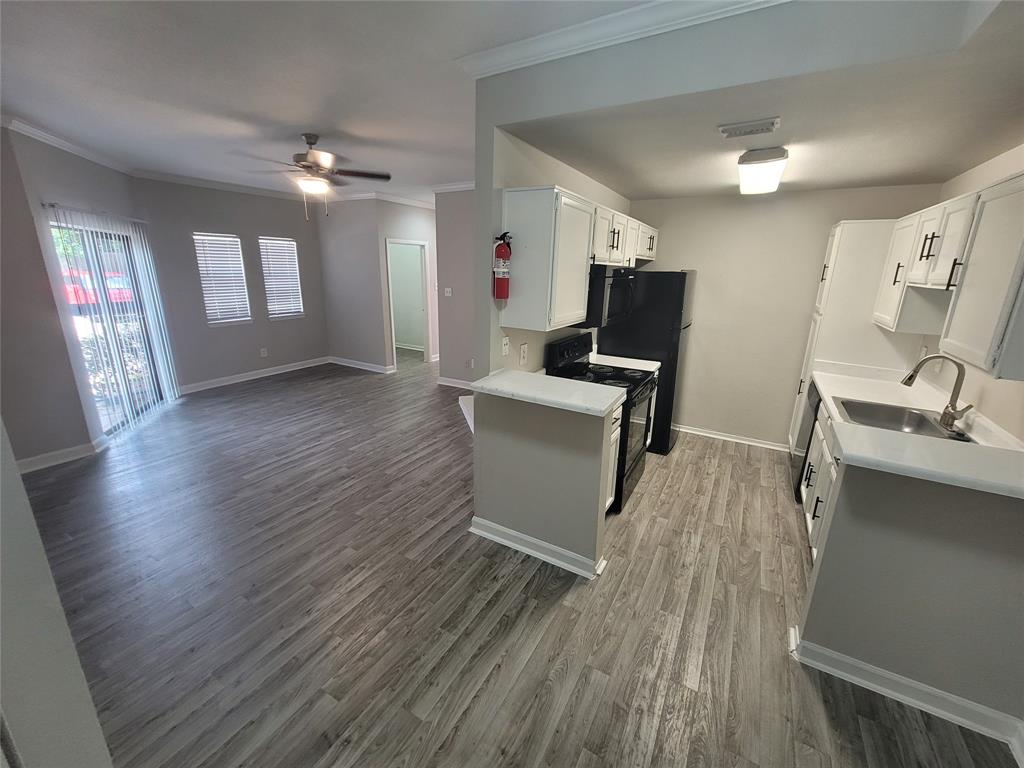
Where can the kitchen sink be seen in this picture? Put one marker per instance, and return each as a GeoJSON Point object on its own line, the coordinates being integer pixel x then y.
{"type": "Point", "coordinates": [914, 421]}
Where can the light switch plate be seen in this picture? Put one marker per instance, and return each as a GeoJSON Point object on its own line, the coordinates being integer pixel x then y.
{"type": "Point", "coordinates": [448, 292]}
{"type": "Point", "coordinates": [504, 346]}
{"type": "Point", "coordinates": [263, 352]}
{"type": "Point", "coordinates": [522, 354]}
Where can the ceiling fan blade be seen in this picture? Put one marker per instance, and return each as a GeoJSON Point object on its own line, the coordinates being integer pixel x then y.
{"type": "Point", "coordinates": [379, 175]}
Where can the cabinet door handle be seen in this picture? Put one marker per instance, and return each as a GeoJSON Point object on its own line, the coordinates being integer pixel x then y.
{"type": "Point", "coordinates": [949, 280]}
{"type": "Point", "coordinates": [800, 387]}
{"type": "Point", "coordinates": [896, 274]}
{"type": "Point", "coordinates": [808, 473]}
{"type": "Point", "coordinates": [617, 233]}
{"type": "Point", "coordinates": [931, 244]}
{"type": "Point", "coordinates": [814, 512]}
{"type": "Point", "coordinates": [824, 269]}
{"type": "Point", "coordinates": [924, 242]}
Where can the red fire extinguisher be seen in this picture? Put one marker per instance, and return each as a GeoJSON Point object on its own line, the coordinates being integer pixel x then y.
{"type": "Point", "coordinates": [502, 257]}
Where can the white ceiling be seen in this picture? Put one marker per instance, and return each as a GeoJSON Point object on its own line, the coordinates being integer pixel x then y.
{"type": "Point", "coordinates": [203, 89]}
{"type": "Point", "coordinates": [918, 120]}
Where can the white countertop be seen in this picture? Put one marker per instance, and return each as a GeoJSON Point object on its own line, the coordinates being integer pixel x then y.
{"type": "Point", "coordinates": [625, 362]}
{"type": "Point", "coordinates": [994, 464]}
{"type": "Point", "coordinates": [552, 391]}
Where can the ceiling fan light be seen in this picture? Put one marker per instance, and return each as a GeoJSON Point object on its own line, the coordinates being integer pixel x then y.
{"type": "Point", "coordinates": [761, 170]}
{"type": "Point", "coordinates": [312, 185]}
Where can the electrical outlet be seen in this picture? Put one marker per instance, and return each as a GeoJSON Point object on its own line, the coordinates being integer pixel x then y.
{"type": "Point", "coordinates": [504, 346]}
{"type": "Point", "coordinates": [522, 355]}
{"type": "Point", "coordinates": [448, 292]}
{"type": "Point", "coordinates": [263, 352]}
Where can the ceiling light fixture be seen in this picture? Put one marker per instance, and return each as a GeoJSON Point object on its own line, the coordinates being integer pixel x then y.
{"type": "Point", "coordinates": [311, 185]}
{"type": "Point", "coordinates": [761, 170]}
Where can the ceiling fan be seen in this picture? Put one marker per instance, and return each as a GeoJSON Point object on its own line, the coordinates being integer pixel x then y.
{"type": "Point", "coordinates": [319, 172]}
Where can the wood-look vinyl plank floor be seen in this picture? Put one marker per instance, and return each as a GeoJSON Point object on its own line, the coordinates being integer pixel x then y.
{"type": "Point", "coordinates": [279, 573]}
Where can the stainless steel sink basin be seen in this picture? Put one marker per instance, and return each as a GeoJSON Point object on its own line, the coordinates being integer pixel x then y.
{"type": "Point", "coordinates": [914, 421]}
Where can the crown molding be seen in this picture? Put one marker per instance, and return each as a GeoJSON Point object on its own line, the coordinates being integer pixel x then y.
{"type": "Point", "coordinates": [612, 29]}
{"type": "Point", "coordinates": [386, 197]}
{"type": "Point", "coordinates": [222, 186]}
{"type": "Point", "coordinates": [455, 186]}
{"type": "Point", "coordinates": [18, 125]}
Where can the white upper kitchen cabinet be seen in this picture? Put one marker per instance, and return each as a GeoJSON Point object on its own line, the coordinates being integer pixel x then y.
{"type": "Point", "coordinates": [552, 232]}
{"type": "Point", "coordinates": [890, 289]}
{"type": "Point", "coordinates": [924, 246]}
{"type": "Point", "coordinates": [941, 238]}
{"type": "Point", "coordinates": [900, 305]}
{"type": "Point", "coordinates": [985, 325]}
{"type": "Point", "coordinates": [630, 242]}
{"type": "Point", "coordinates": [604, 235]}
{"type": "Point", "coordinates": [617, 254]}
{"type": "Point", "coordinates": [827, 269]}
{"type": "Point", "coordinates": [647, 247]}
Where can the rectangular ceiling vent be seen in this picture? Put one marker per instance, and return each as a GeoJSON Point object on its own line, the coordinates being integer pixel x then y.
{"type": "Point", "coordinates": [750, 127]}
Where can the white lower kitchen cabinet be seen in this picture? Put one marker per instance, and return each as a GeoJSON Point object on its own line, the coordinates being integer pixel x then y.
{"type": "Point", "coordinates": [552, 231]}
{"type": "Point", "coordinates": [985, 325]}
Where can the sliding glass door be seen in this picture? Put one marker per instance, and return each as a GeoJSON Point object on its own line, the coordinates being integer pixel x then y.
{"type": "Point", "coordinates": [110, 290]}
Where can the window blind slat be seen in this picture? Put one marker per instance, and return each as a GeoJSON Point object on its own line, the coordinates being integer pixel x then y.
{"type": "Point", "coordinates": [281, 276]}
{"type": "Point", "coordinates": [222, 274]}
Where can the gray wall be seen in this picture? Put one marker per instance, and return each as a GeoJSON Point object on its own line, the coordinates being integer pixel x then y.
{"type": "Point", "coordinates": [40, 401]}
{"type": "Point", "coordinates": [353, 282]}
{"type": "Point", "coordinates": [758, 260]}
{"type": "Point", "coordinates": [201, 351]}
{"type": "Point", "coordinates": [46, 700]}
{"type": "Point", "coordinates": [355, 275]}
{"type": "Point", "coordinates": [455, 265]}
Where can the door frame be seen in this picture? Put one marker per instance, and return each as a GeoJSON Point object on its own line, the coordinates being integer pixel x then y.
{"type": "Point", "coordinates": [425, 284]}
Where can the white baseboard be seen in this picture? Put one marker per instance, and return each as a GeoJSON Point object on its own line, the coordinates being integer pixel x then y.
{"type": "Point", "coordinates": [549, 553]}
{"type": "Point", "coordinates": [948, 706]}
{"type": "Point", "coordinates": [361, 365]}
{"type": "Point", "coordinates": [444, 381]}
{"type": "Point", "coordinates": [199, 386]}
{"type": "Point", "coordinates": [732, 438]}
{"type": "Point", "coordinates": [53, 458]}
{"type": "Point", "coordinates": [435, 358]}
{"type": "Point", "coordinates": [410, 347]}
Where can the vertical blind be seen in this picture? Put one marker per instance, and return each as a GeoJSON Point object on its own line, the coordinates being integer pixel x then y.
{"type": "Point", "coordinates": [281, 276]}
{"type": "Point", "coordinates": [109, 285]}
{"type": "Point", "coordinates": [222, 275]}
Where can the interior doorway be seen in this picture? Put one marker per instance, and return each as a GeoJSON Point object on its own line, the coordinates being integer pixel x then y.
{"type": "Point", "coordinates": [409, 300]}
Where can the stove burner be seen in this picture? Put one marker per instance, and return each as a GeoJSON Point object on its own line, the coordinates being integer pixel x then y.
{"type": "Point", "coordinates": [616, 383]}
{"type": "Point", "coordinates": [631, 374]}
{"type": "Point", "coordinates": [584, 377]}
{"type": "Point", "coordinates": [601, 369]}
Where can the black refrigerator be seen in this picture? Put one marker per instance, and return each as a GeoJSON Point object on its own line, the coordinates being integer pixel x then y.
{"type": "Point", "coordinates": [656, 329]}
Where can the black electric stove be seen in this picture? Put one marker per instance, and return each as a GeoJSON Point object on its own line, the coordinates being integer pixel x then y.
{"type": "Point", "coordinates": [569, 359]}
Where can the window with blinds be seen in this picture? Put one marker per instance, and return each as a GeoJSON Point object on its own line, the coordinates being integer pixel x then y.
{"type": "Point", "coordinates": [281, 276]}
{"type": "Point", "coordinates": [222, 274]}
